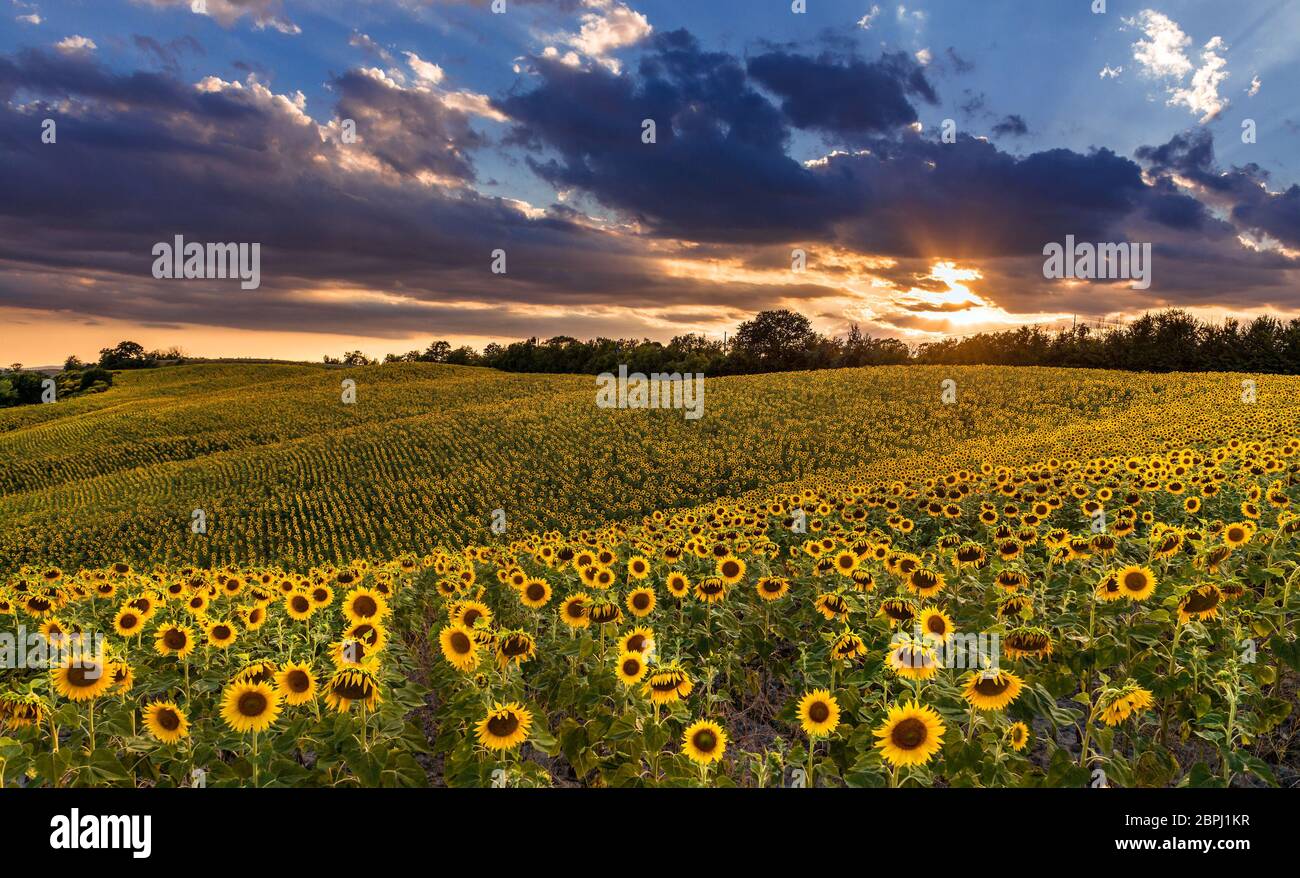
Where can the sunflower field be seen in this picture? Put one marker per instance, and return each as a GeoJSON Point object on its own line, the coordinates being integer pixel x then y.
{"type": "Point", "coordinates": [1064, 579]}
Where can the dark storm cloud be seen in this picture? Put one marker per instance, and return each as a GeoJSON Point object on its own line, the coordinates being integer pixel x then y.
{"type": "Point", "coordinates": [718, 171]}
{"type": "Point", "coordinates": [1011, 126]}
{"type": "Point", "coordinates": [844, 98]}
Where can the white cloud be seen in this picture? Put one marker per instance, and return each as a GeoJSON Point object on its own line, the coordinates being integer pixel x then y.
{"type": "Point", "coordinates": [30, 18]}
{"type": "Point", "coordinates": [76, 44]}
{"type": "Point", "coordinates": [869, 19]}
{"type": "Point", "coordinates": [914, 17]}
{"type": "Point", "coordinates": [924, 57]}
{"type": "Point", "coordinates": [1162, 53]}
{"type": "Point", "coordinates": [426, 71]}
{"type": "Point", "coordinates": [607, 27]}
{"type": "Point", "coordinates": [1203, 94]}
{"type": "Point", "coordinates": [365, 42]}
{"type": "Point", "coordinates": [265, 13]}
{"type": "Point", "coordinates": [1108, 72]}
{"type": "Point", "coordinates": [1255, 83]}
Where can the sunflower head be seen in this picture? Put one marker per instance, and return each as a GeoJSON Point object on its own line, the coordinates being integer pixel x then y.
{"type": "Point", "coordinates": [505, 727]}
{"type": "Point", "coordinates": [819, 713]}
{"type": "Point", "coordinates": [704, 742]}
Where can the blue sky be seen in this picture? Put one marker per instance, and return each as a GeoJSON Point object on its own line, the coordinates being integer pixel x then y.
{"type": "Point", "coordinates": [1035, 88]}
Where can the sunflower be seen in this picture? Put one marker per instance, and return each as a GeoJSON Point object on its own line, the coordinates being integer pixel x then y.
{"type": "Point", "coordinates": [832, 606]}
{"type": "Point", "coordinates": [254, 618]}
{"type": "Point", "coordinates": [677, 584]}
{"type": "Point", "coordinates": [1137, 583]}
{"type": "Point", "coordinates": [641, 602]}
{"type": "Point", "coordinates": [1108, 589]}
{"type": "Point", "coordinates": [897, 611]}
{"type": "Point", "coordinates": [925, 582]}
{"type": "Point", "coordinates": [364, 605]}
{"type": "Point", "coordinates": [505, 727]}
{"type": "Point", "coordinates": [935, 624]}
{"type": "Point", "coordinates": [250, 707]}
{"type": "Point", "coordinates": [123, 676]}
{"type": "Point", "coordinates": [819, 713]}
{"type": "Point", "coordinates": [177, 640]}
{"type": "Point", "coordinates": [991, 690]}
{"type": "Point", "coordinates": [296, 683]}
{"type": "Point", "coordinates": [773, 588]}
{"type": "Point", "coordinates": [321, 595]}
{"type": "Point", "coordinates": [1200, 603]}
{"type": "Point", "coordinates": [667, 684]}
{"type": "Point", "coordinates": [639, 639]}
{"type": "Point", "coordinates": [1028, 642]}
{"type": "Point", "coordinates": [847, 646]}
{"type": "Point", "coordinates": [704, 742]}
{"type": "Point", "coordinates": [82, 678]}
{"type": "Point", "coordinates": [845, 563]}
{"type": "Point", "coordinates": [912, 659]}
{"type": "Point", "coordinates": [127, 622]}
{"type": "Point", "coordinates": [573, 612]}
{"type": "Point", "coordinates": [910, 735]}
{"type": "Point", "coordinates": [458, 647]}
{"type": "Point", "coordinates": [514, 647]}
{"type": "Point", "coordinates": [298, 606]}
{"type": "Point", "coordinates": [604, 613]}
{"type": "Point", "coordinates": [1018, 736]}
{"type": "Point", "coordinates": [165, 721]}
{"type": "Point", "coordinates": [630, 667]}
{"type": "Point", "coordinates": [638, 567]}
{"type": "Point", "coordinates": [373, 635]}
{"type": "Point", "coordinates": [1238, 534]}
{"type": "Point", "coordinates": [730, 569]}
{"type": "Point", "coordinates": [21, 710]}
{"type": "Point", "coordinates": [257, 672]}
{"type": "Point", "coordinates": [1119, 706]}
{"type": "Point", "coordinates": [467, 613]}
{"type": "Point", "coordinates": [535, 593]}
{"type": "Point", "coordinates": [711, 590]}
{"type": "Point", "coordinates": [221, 634]}
{"type": "Point", "coordinates": [357, 683]}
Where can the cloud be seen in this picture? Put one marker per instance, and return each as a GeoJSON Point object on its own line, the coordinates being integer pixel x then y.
{"type": "Point", "coordinates": [866, 21]}
{"type": "Point", "coordinates": [29, 18]}
{"type": "Point", "coordinates": [1108, 72]}
{"type": "Point", "coordinates": [425, 71]}
{"type": "Point", "coordinates": [1202, 96]}
{"type": "Point", "coordinates": [606, 27]}
{"type": "Point", "coordinates": [76, 45]}
{"type": "Point", "coordinates": [168, 54]}
{"type": "Point", "coordinates": [844, 97]}
{"type": "Point", "coordinates": [370, 47]}
{"type": "Point", "coordinates": [264, 13]}
{"type": "Point", "coordinates": [1163, 55]}
{"type": "Point", "coordinates": [1011, 126]}
{"type": "Point", "coordinates": [1255, 84]}
{"type": "Point", "coordinates": [1163, 52]}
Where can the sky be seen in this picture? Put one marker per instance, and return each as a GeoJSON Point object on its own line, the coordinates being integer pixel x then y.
{"type": "Point", "coordinates": [382, 153]}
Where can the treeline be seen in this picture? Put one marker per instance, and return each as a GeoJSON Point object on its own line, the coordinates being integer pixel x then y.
{"type": "Point", "coordinates": [775, 341]}
{"type": "Point", "coordinates": [19, 386]}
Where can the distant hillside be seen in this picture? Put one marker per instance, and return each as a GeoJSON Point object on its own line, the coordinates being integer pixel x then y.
{"type": "Point", "coordinates": [284, 471]}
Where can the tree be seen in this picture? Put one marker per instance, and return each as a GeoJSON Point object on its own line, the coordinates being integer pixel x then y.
{"type": "Point", "coordinates": [775, 339]}
{"type": "Point", "coordinates": [127, 355]}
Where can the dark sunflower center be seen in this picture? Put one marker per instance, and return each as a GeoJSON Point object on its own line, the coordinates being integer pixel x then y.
{"type": "Point", "coordinates": [936, 625]}
{"type": "Point", "coordinates": [84, 675]}
{"type": "Point", "coordinates": [365, 606]}
{"type": "Point", "coordinates": [705, 741]}
{"type": "Point", "coordinates": [168, 719]}
{"type": "Point", "coordinates": [129, 621]}
{"type": "Point", "coordinates": [909, 734]}
{"type": "Point", "coordinates": [252, 704]}
{"type": "Point", "coordinates": [298, 680]}
{"type": "Point", "coordinates": [221, 632]}
{"type": "Point", "coordinates": [636, 643]}
{"type": "Point", "coordinates": [536, 591]}
{"type": "Point", "coordinates": [730, 568]}
{"type": "Point", "coordinates": [469, 618]}
{"type": "Point", "coordinates": [641, 600]}
{"type": "Point", "coordinates": [819, 711]}
{"type": "Point", "coordinates": [503, 725]}
{"type": "Point", "coordinates": [1135, 581]}
{"type": "Point", "coordinates": [992, 686]}
{"type": "Point", "coordinates": [301, 604]}
{"type": "Point", "coordinates": [631, 667]}
{"type": "Point", "coordinates": [174, 638]}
